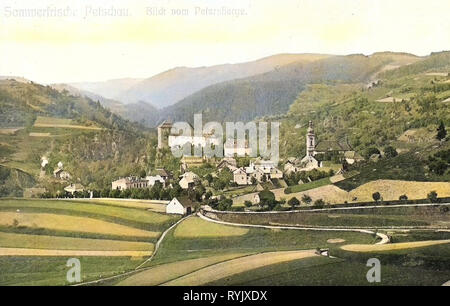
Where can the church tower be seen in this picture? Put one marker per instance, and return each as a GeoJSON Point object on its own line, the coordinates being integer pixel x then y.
{"type": "Point", "coordinates": [310, 140]}
{"type": "Point", "coordinates": [163, 134]}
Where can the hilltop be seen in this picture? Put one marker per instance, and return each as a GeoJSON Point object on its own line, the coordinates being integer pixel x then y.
{"type": "Point", "coordinates": [38, 121]}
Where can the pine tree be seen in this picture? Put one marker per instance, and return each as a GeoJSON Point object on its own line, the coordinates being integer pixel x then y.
{"type": "Point", "coordinates": [441, 131]}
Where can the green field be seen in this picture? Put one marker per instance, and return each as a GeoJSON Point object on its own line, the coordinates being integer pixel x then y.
{"type": "Point", "coordinates": [55, 227]}
{"type": "Point", "coordinates": [308, 186]}
{"type": "Point", "coordinates": [176, 248]}
{"type": "Point", "coordinates": [135, 217]}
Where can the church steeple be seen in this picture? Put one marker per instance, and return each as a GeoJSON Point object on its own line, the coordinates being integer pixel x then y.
{"type": "Point", "coordinates": [310, 140]}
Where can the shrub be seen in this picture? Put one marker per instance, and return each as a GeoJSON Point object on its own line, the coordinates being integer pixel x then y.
{"type": "Point", "coordinates": [293, 202]}
{"type": "Point", "coordinates": [403, 197]}
{"type": "Point", "coordinates": [390, 152]}
{"type": "Point", "coordinates": [306, 199]}
{"type": "Point", "coordinates": [432, 197]}
{"type": "Point", "coordinates": [319, 203]}
{"type": "Point", "coordinates": [248, 203]}
{"type": "Point", "coordinates": [376, 196]}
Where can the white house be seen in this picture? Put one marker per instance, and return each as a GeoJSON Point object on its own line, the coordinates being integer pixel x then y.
{"type": "Point", "coordinates": [182, 206]}
{"type": "Point", "coordinates": [240, 177]}
{"type": "Point", "coordinates": [153, 179]}
{"type": "Point", "coordinates": [72, 188]}
{"type": "Point", "coordinates": [188, 179]}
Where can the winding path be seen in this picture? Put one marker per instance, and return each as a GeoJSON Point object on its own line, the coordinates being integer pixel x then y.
{"type": "Point", "coordinates": [384, 238]}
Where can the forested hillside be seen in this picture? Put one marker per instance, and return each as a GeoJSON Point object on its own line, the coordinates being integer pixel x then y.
{"type": "Point", "coordinates": [273, 92]}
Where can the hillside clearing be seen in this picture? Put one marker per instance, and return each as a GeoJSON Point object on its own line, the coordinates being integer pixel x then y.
{"type": "Point", "coordinates": [153, 205]}
{"type": "Point", "coordinates": [131, 214]}
{"type": "Point", "coordinates": [166, 272]}
{"type": "Point", "coordinates": [44, 252]}
{"type": "Point", "coordinates": [12, 240]}
{"type": "Point", "coordinates": [392, 246]}
{"type": "Point", "coordinates": [239, 265]}
{"type": "Point", "coordinates": [393, 189]}
{"type": "Point", "coordinates": [71, 223]}
{"type": "Point", "coordinates": [196, 227]}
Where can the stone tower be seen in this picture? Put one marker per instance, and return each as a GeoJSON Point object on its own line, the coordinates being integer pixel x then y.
{"type": "Point", "coordinates": [310, 140]}
{"type": "Point", "coordinates": [163, 134]}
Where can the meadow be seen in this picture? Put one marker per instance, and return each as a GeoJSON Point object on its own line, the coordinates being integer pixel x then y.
{"type": "Point", "coordinates": [38, 236]}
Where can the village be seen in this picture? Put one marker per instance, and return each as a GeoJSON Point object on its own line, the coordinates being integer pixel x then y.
{"type": "Point", "coordinates": [220, 182]}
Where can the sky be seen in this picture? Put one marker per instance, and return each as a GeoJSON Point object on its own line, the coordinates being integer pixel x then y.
{"type": "Point", "coordinates": [95, 40]}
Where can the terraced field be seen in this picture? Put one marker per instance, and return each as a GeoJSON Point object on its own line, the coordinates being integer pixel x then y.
{"type": "Point", "coordinates": [70, 223]}
{"type": "Point", "coordinates": [48, 232]}
{"type": "Point", "coordinates": [167, 272]}
{"type": "Point", "coordinates": [236, 266]}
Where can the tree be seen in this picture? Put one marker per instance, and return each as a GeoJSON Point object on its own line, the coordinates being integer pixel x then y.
{"type": "Point", "coordinates": [224, 204]}
{"type": "Point", "coordinates": [267, 197]}
{"type": "Point", "coordinates": [376, 196]}
{"type": "Point", "coordinates": [209, 178]}
{"type": "Point", "coordinates": [253, 180]}
{"type": "Point", "coordinates": [432, 196]}
{"type": "Point", "coordinates": [142, 173]}
{"type": "Point", "coordinates": [319, 203]}
{"type": "Point", "coordinates": [441, 131]}
{"type": "Point", "coordinates": [370, 151]}
{"type": "Point", "coordinates": [306, 199]}
{"type": "Point", "coordinates": [293, 202]}
{"type": "Point", "coordinates": [248, 203]}
{"type": "Point", "coordinates": [390, 152]}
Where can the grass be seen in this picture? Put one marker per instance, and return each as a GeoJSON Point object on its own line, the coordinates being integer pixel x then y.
{"type": "Point", "coordinates": [198, 228]}
{"type": "Point", "coordinates": [46, 271]}
{"type": "Point", "coordinates": [71, 223]}
{"type": "Point", "coordinates": [423, 266]}
{"type": "Point", "coordinates": [255, 240]}
{"type": "Point", "coordinates": [167, 272]}
{"type": "Point", "coordinates": [52, 120]}
{"type": "Point", "coordinates": [60, 123]}
{"type": "Point", "coordinates": [406, 166]}
{"type": "Point", "coordinates": [393, 189]}
{"type": "Point", "coordinates": [235, 266]}
{"type": "Point", "coordinates": [392, 246]}
{"type": "Point", "coordinates": [138, 218]}
{"type": "Point", "coordinates": [156, 206]}
{"type": "Point", "coordinates": [322, 271]}
{"type": "Point", "coordinates": [308, 186]}
{"type": "Point", "coordinates": [334, 219]}
{"type": "Point", "coordinates": [12, 240]}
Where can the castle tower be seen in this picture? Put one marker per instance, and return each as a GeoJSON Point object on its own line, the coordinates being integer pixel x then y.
{"type": "Point", "coordinates": [163, 134]}
{"type": "Point", "coordinates": [310, 140]}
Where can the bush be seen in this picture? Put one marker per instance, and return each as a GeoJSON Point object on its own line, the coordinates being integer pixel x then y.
{"type": "Point", "coordinates": [390, 152]}
{"type": "Point", "coordinates": [293, 202]}
{"type": "Point", "coordinates": [248, 203]}
{"type": "Point", "coordinates": [376, 196]}
{"type": "Point", "coordinates": [306, 199]}
{"type": "Point", "coordinates": [319, 203]}
{"type": "Point", "coordinates": [432, 197]}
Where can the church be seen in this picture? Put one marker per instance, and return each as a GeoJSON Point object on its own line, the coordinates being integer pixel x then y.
{"type": "Point", "coordinates": [313, 148]}
{"type": "Point", "coordinates": [309, 162]}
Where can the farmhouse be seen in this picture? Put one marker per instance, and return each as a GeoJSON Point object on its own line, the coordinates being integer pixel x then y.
{"type": "Point", "coordinates": [240, 177]}
{"type": "Point", "coordinates": [260, 170]}
{"type": "Point", "coordinates": [188, 180]}
{"type": "Point", "coordinates": [227, 162]}
{"type": "Point", "coordinates": [151, 180]}
{"type": "Point", "coordinates": [130, 182]}
{"type": "Point", "coordinates": [61, 174]}
{"type": "Point", "coordinates": [72, 188]}
{"type": "Point", "coordinates": [181, 206]}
